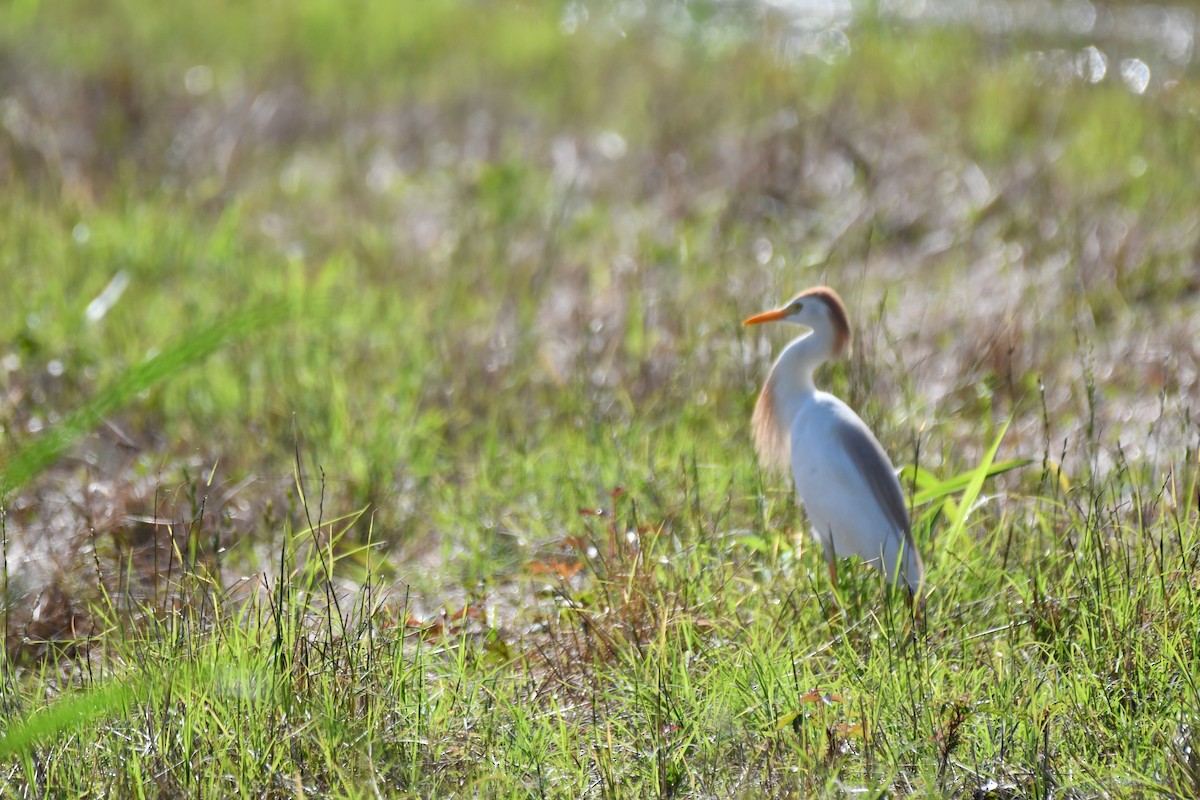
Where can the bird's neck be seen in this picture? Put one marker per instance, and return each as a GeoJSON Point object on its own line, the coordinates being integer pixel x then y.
{"type": "Point", "coordinates": [793, 370]}
{"type": "Point", "coordinates": [788, 387]}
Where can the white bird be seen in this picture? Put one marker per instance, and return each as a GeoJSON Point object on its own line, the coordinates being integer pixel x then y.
{"type": "Point", "coordinates": [843, 475]}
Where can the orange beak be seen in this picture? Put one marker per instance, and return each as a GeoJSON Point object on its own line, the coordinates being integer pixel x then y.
{"type": "Point", "coordinates": [766, 316]}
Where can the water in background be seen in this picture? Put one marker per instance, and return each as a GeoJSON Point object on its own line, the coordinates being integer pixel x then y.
{"type": "Point", "coordinates": [1143, 46]}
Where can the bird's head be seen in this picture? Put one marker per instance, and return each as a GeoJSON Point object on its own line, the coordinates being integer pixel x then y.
{"type": "Point", "coordinates": [818, 309]}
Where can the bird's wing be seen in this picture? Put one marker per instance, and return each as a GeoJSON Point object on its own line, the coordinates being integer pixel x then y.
{"type": "Point", "coordinates": [875, 466]}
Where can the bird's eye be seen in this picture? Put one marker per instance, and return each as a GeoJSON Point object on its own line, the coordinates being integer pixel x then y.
{"type": "Point", "coordinates": [797, 306]}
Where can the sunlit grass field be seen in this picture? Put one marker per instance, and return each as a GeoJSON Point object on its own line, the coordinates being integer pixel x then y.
{"type": "Point", "coordinates": [375, 408]}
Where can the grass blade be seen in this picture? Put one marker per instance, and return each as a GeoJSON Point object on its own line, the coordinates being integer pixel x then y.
{"type": "Point", "coordinates": [192, 347]}
{"type": "Point", "coordinates": [934, 491]}
{"type": "Point", "coordinates": [975, 479]}
{"type": "Point", "coordinates": [66, 715]}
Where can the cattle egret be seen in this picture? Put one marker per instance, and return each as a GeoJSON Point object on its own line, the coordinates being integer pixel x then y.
{"type": "Point", "coordinates": [843, 475]}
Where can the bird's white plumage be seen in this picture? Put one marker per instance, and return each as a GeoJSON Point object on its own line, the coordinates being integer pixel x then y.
{"type": "Point", "coordinates": [842, 474]}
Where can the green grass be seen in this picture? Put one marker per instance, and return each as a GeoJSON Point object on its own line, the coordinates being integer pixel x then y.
{"type": "Point", "coordinates": [471, 508]}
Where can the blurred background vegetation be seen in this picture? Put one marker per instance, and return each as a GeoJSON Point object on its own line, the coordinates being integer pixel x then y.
{"type": "Point", "coordinates": [513, 242]}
